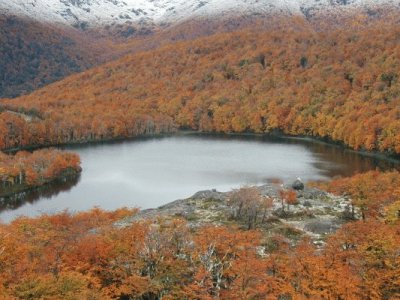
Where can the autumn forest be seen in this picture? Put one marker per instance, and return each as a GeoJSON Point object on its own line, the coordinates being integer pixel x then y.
{"type": "Point", "coordinates": [338, 84]}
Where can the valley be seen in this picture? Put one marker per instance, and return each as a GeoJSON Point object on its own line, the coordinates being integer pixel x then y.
{"type": "Point", "coordinates": [202, 150]}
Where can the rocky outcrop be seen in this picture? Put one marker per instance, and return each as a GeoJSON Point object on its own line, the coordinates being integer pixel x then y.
{"type": "Point", "coordinates": [317, 213]}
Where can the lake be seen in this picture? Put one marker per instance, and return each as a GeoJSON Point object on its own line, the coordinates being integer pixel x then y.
{"type": "Point", "coordinates": [147, 173]}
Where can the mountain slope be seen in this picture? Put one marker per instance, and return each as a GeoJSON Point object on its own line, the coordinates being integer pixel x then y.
{"type": "Point", "coordinates": [43, 41]}
{"type": "Point", "coordinates": [33, 55]}
{"type": "Point", "coordinates": [294, 79]}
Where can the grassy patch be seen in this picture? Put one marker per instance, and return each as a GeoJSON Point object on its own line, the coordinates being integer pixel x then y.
{"type": "Point", "coordinates": [209, 204]}
{"type": "Point", "coordinates": [288, 231]}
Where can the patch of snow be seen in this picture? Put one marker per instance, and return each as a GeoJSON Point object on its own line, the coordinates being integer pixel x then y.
{"type": "Point", "coordinates": [91, 13]}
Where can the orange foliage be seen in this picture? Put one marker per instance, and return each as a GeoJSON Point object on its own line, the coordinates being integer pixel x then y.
{"type": "Point", "coordinates": [35, 169]}
{"type": "Point", "coordinates": [371, 192]}
{"type": "Point", "coordinates": [82, 255]}
{"type": "Point", "coordinates": [288, 196]}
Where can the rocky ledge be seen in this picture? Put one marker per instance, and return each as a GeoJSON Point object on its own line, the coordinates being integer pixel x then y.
{"type": "Point", "coordinates": [315, 214]}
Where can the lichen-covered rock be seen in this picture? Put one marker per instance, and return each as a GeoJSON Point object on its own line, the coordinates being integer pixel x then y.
{"type": "Point", "coordinates": [317, 214]}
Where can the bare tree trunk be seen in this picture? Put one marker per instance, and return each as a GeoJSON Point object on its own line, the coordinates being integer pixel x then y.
{"type": "Point", "coordinates": [264, 215]}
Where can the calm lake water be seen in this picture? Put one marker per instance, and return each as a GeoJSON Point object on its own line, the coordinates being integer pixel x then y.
{"type": "Point", "coordinates": [150, 172]}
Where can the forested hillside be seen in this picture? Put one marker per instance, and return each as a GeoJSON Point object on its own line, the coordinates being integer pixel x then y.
{"type": "Point", "coordinates": [33, 55]}
{"type": "Point", "coordinates": [341, 84]}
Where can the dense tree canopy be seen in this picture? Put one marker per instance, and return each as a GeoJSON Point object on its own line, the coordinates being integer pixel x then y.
{"type": "Point", "coordinates": [34, 54]}
{"type": "Point", "coordinates": [24, 169]}
{"type": "Point", "coordinates": [372, 192]}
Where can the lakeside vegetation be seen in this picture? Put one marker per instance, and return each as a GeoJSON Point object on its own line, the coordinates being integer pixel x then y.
{"type": "Point", "coordinates": [25, 170]}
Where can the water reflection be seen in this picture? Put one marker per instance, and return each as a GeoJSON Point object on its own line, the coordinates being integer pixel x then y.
{"type": "Point", "coordinates": [338, 161]}
{"type": "Point", "coordinates": [45, 192]}
{"type": "Point", "coordinates": [151, 172]}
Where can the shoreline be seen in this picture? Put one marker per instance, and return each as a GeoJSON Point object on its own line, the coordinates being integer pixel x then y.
{"type": "Point", "coordinates": [394, 158]}
{"type": "Point", "coordinates": [279, 135]}
{"type": "Point", "coordinates": [15, 193]}
{"type": "Point", "coordinates": [388, 157]}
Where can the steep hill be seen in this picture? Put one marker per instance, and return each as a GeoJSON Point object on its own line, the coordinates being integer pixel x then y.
{"type": "Point", "coordinates": [34, 54]}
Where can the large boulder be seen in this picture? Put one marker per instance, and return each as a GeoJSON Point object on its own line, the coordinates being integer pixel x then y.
{"type": "Point", "coordinates": [298, 185]}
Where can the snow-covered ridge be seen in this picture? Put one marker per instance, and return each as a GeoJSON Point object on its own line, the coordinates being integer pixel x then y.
{"type": "Point", "coordinates": [94, 13]}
